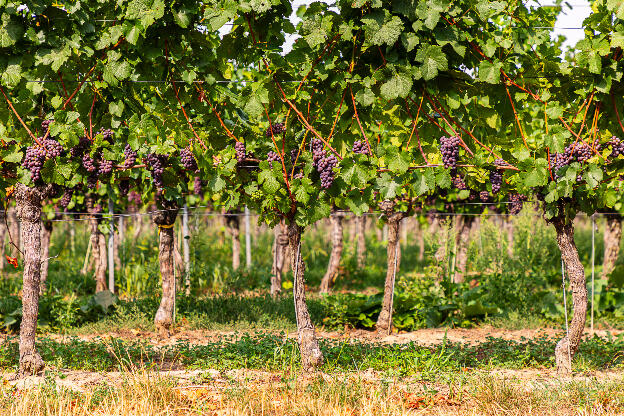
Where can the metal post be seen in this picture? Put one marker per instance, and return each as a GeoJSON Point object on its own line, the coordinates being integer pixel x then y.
{"type": "Point", "coordinates": [247, 238]}
{"type": "Point", "coordinates": [185, 249]}
{"type": "Point", "coordinates": [111, 248]}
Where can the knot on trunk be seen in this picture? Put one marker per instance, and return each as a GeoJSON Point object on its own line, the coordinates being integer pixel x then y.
{"type": "Point", "coordinates": [166, 212]}
{"type": "Point", "coordinates": [387, 206]}
{"type": "Point", "coordinates": [28, 202]}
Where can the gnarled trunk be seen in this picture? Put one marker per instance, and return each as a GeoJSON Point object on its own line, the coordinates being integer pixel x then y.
{"type": "Point", "coordinates": [336, 253]}
{"type": "Point", "coordinates": [568, 345]}
{"type": "Point", "coordinates": [46, 233]}
{"type": "Point", "coordinates": [233, 226]}
{"type": "Point", "coordinates": [384, 321]}
{"type": "Point", "coordinates": [29, 212]}
{"type": "Point", "coordinates": [98, 243]}
{"type": "Point", "coordinates": [360, 232]}
{"type": "Point", "coordinates": [165, 218]}
{"type": "Point", "coordinates": [612, 238]}
{"type": "Point", "coordinates": [311, 355]}
{"type": "Point", "coordinates": [280, 246]}
{"type": "Point", "coordinates": [462, 238]}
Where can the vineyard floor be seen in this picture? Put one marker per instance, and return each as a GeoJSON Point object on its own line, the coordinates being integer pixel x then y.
{"type": "Point", "coordinates": [426, 337]}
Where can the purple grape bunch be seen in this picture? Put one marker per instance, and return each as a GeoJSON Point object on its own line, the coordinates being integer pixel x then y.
{"type": "Point", "coordinates": [496, 178]}
{"type": "Point", "coordinates": [83, 145]}
{"type": "Point", "coordinates": [124, 187]}
{"type": "Point", "coordinates": [275, 129]}
{"type": "Point", "coordinates": [197, 186]}
{"type": "Point", "coordinates": [131, 157]}
{"type": "Point", "coordinates": [359, 147]}
{"type": "Point", "coordinates": [52, 148]}
{"type": "Point", "coordinates": [66, 198]}
{"type": "Point", "coordinates": [241, 153]}
{"type": "Point", "coordinates": [188, 159]}
{"type": "Point", "coordinates": [34, 160]}
{"type": "Point", "coordinates": [459, 183]}
{"type": "Point", "coordinates": [45, 125]}
{"type": "Point", "coordinates": [272, 157]}
{"type": "Point", "coordinates": [105, 167]}
{"type": "Point", "coordinates": [107, 134]}
{"type": "Point", "coordinates": [134, 198]}
{"type": "Point", "coordinates": [92, 181]}
{"type": "Point", "coordinates": [449, 147]}
{"type": "Point", "coordinates": [484, 196]}
{"type": "Point", "coordinates": [156, 164]}
{"type": "Point", "coordinates": [516, 203]}
{"type": "Point", "coordinates": [325, 168]}
{"type": "Point", "coordinates": [580, 152]}
{"type": "Point", "coordinates": [89, 163]}
{"type": "Point", "coordinates": [617, 146]}
{"type": "Point", "coordinates": [316, 146]}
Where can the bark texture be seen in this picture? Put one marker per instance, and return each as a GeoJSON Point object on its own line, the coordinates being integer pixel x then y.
{"type": "Point", "coordinates": [165, 217]}
{"type": "Point", "coordinates": [280, 246]}
{"type": "Point", "coordinates": [612, 238]}
{"type": "Point", "coordinates": [311, 355]}
{"type": "Point", "coordinates": [462, 238]}
{"type": "Point", "coordinates": [28, 202]}
{"type": "Point", "coordinates": [360, 232]}
{"type": "Point", "coordinates": [46, 233]}
{"type": "Point", "coordinates": [336, 253]}
{"type": "Point", "coordinates": [384, 321]}
{"type": "Point", "coordinates": [233, 226]}
{"type": "Point", "coordinates": [567, 346]}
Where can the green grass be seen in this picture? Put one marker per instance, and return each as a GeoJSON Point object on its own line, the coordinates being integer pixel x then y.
{"type": "Point", "coordinates": [278, 352]}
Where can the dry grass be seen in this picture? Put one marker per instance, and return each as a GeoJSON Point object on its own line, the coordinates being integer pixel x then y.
{"type": "Point", "coordinates": [148, 393]}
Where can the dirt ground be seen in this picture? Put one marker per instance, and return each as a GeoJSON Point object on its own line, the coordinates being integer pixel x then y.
{"type": "Point", "coordinates": [422, 336]}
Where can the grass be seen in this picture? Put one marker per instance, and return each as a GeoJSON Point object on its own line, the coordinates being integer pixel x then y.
{"type": "Point", "coordinates": [144, 392]}
{"type": "Point", "coordinates": [279, 352]}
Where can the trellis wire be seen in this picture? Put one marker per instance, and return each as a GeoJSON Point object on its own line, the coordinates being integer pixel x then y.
{"type": "Point", "coordinates": [565, 310]}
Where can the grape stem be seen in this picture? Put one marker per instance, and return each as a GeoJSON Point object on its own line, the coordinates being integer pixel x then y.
{"type": "Point", "coordinates": [513, 107]}
{"type": "Point", "coordinates": [19, 118]}
{"type": "Point", "coordinates": [357, 117]}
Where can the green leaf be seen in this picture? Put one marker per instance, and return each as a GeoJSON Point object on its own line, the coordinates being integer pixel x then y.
{"type": "Point", "coordinates": [381, 28]}
{"type": "Point", "coordinates": [490, 72]}
{"type": "Point", "coordinates": [10, 31]}
{"type": "Point", "coordinates": [268, 181]}
{"type": "Point", "coordinates": [397, 86]}
{"type": "Point", "coordinates": [433, 60]}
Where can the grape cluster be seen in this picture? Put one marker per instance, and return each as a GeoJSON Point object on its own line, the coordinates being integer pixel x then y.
{"type": "Point", "coordinates": [359, 147]}
{"type": "Point", "coordinates": [156, 164]}
{"type": "Point", "coordinates": [298, 175]}
{"type": "Point", "coordinates": [275, 129]}
{"type": "Point", "coordinates": [617, 146]}
{"type": "Point", "coordinates": [131, 157]}
{"type": "Point", "coordinates": [496, 178]}
{"type": "Point", "coordinates": [66, 198]}
{"type": "Point", "coordinates": [106, 134]}
{"type": "Point", "coordinates": [105, 167]}
{"type": "Point", "coordinates": [124, 187]}
{"type": "Point", "coordinates": [272, 157]}
{"type": "Point", "coordinates": [293, 155]}
{"type": "Point", "coordinates": [317, 151]}
{"type": "Point", "coordinates": [516, 203]}
{"type": "Point", "coordinates": [449, 147]}
{"type": "Point", "coordinates": [134, 198]}
{"type": "Point", "coordinates": [459, 183]}
{"type": "Point", "coordinates": [500, 162]}
{"type": "Point", "coordinates": [256, 195]}
{"type": "Point", "coordinates": [484, 196]}
{"type": "Point", "coordinates": [582, 152]}
{"type": "Point", "coordinates": [241, 153]}
{"type": "Point", "coordinates": [92, 181]}
{"type": "Point", "coordinates": [33, 161]}
{"type": "Point", "coordinates": [52, 148]}
{"type": "Point", "coordinates": [45, 125]}
{"type": "Point", "coordinates": [188, 159]}
{"type": "Point", "coordinates": [325, 168]}
{"type": "Point", "coordinates": [197, 186]}
{"type": "Point", "coordinates": [89, 163]}
{"type": "Point", "coordinates": [83, 145]}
